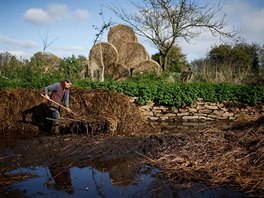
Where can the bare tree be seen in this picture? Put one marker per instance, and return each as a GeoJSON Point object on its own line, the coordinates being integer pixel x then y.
{"type": "Point", "coordinates": [163, 21]}
{"type": "Point", "coordinates": [98, 37]}
{"type": "Point", "coordinates": [45, 41]}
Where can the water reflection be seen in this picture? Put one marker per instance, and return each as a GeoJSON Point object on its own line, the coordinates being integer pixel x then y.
{"type": "Point", "coordinates": [113, 178]}
{"type": "Point", "coordinates": [62, 178]}
{"type": "Point", "coordinates": [107, 179]}
{"type": "Point", "coordinates": [122, 172]}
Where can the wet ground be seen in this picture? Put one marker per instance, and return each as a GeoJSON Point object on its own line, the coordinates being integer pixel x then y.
{"type": "Point", "coordinates": [70, 165]}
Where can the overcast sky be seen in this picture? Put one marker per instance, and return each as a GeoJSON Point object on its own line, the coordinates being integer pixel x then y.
{"type": "Point", "coordinates": [24, 24]}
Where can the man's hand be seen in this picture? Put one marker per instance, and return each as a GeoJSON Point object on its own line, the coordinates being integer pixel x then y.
{"type": "Point", "coordinates": [69, 110]}
{"type": "Point", "coordinates": [47, 97]}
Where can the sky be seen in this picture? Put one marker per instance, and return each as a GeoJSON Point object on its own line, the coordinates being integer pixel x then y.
{"type": "Point", "coordinates": [69, 26]}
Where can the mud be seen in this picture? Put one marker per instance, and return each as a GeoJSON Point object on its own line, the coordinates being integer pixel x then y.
{"type": "Point", "coordinates": [216, 156]}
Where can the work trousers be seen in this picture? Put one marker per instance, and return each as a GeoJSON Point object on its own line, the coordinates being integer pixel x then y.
{"type": "Point", "coordinates": [56, 115]}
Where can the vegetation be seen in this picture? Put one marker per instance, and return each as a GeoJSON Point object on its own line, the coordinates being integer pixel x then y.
{"type": "Point", "coordinates": [228, 73]}
{"type": "Point", "coordinates": [150, 88]}
{"type": "Point", "coordinates": [176, 61]}
{"type": "Point", "coordinates": [234, 64]}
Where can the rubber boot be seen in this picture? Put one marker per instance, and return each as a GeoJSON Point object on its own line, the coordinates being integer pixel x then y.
{"type": "Point", "coordinates": [56, 129]}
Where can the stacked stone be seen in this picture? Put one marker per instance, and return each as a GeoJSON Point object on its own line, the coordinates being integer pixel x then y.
{"type": "Point", "coordinates": [201, 110]}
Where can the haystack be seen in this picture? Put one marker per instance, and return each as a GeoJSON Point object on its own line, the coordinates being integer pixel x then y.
{"type": "Point", "coordinates": [132, 54]}
{"type": "Point", "coordinates": [120, 34]}
{"type": "Point", "coordinates": [147, 66]}
{"type": "Point", "coordinates": [101, 54]}
{"type": "Point", "coordinates": [118, 71]}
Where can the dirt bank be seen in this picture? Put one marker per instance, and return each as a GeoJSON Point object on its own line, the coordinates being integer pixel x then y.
{"type": "Point", "coordinates": [230, 157]}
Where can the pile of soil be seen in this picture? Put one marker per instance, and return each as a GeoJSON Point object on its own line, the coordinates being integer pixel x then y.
{"type": "Point", "coordinates": [215, 156]}
{"type": "Point", "coordinates": [96, 111]}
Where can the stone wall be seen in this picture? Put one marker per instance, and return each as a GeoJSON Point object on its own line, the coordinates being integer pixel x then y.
{"type": "Point", "coordinates": [206, 111]}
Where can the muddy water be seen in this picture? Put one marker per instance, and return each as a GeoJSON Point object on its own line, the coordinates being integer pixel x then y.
{"type": "Point", "coordinates": [123, 177]}
{"type": "Point", "coordinates": [91, 182]}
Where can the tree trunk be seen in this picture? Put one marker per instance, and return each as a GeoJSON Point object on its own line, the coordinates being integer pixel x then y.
{"type": "Point", "coordinates": [102, 63]}
{"type": "Point", "coordinates": [163, 61]}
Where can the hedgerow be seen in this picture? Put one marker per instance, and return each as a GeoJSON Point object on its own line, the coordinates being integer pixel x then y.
{"type": "Point", "coordinates": [153, 89]}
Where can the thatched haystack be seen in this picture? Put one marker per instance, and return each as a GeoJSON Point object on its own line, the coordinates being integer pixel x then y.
{"type": "Point", "coordinates": [120, 55]}
{"type": "Point", "coordinates": [147, 66]}
{"type": "Point", "coordinates": [101, 54]}
{"type": "Point", "coordinates": [118, 71]}
{"type": "Point", "coordinates": [132, 54]}
{"type": "Point", "coordinates": [120, 34]}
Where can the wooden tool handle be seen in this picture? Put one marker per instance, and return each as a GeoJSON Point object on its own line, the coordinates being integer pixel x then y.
{"type": "Point", "coordinates": [56, 103]}
{"type": "Point", "coordinates": [53, 102]}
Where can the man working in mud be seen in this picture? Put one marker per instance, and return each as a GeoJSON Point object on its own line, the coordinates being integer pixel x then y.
{"type": "Point", "coordinates": [60, 93]}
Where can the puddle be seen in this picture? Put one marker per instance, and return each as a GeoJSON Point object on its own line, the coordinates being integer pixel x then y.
{"type": "Point", "coordinates": [195, 125]}
{"type": "Point", "coordinates": [83, 176]}
{"type": "Point", "coordinates": [91, 182]}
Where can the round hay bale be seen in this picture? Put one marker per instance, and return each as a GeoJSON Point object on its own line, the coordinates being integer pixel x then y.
{"type": "Point", "coordinates": [94, 70]}
{"type": "Point", "coordinates": [132, 54]}
{"type": "Point", "coordinates": [120, 34]}
{"type": "Point", "coordinates": [103, 53]}
{"type": "Point", "coordinates": [147, 66]}
{"type": "Point", "coordinates": [118, 71]}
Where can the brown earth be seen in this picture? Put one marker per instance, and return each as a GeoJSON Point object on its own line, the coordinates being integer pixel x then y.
{"type": "Point", "coordinates": [109, 127]}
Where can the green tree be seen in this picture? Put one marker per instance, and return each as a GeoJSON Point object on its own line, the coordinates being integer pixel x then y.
{"type": "Point", "coordinates": [261, 60]}
{"type": "Point", "coordinates": [177, 61]}
{"type": "Point", "coordinates": [229, 63]}
{"type": "Point", "coordinates": [9, 65]}
{"type": "Point", "coordinates": [71, 66]}
{"type": "Point", "coordinates": [243, 57]}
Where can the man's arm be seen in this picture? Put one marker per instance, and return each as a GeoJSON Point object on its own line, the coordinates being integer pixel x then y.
{"type": "Point", "coordinates": [53, 87]}
{"type": "Point", "coordinates": [66, 101]}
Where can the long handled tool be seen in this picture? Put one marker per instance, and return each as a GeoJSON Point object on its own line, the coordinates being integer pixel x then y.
{"type": "Point", "coordinates": [57, 103]}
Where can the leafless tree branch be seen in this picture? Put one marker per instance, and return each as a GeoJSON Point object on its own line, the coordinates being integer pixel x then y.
{"type": "Point", "coordinates": [163, 21]}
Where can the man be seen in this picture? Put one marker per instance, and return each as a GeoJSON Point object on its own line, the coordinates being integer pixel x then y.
{"type": "Point", "coordinates": [62, 177]}
{"type": "Point", "coordinates": [60, 93]}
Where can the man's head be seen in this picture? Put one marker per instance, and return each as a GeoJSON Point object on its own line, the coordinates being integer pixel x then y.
{"type": "Point", "coordinates": [67, 83]}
